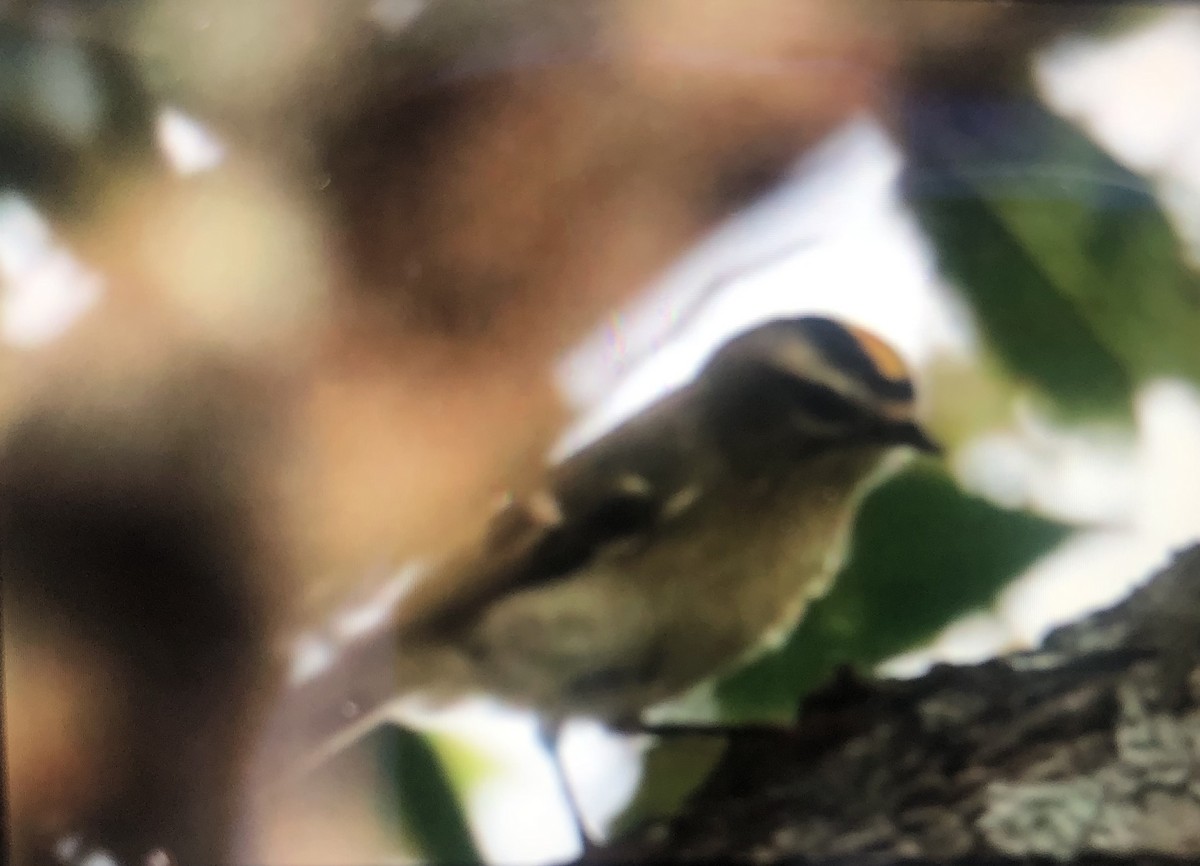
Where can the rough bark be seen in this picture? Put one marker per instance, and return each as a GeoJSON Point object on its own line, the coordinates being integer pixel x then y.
{"type": "Point", "coordinates": [1083, 751]}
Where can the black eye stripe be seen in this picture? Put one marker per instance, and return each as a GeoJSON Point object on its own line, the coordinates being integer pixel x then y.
{"type": "Point", "coordinates": [762, 395]}
{"type": "Point", "coordinates": [823, 403]}
{"type": "Point", "coordinates": [844, 352]}
{"type": "Point", "coordinates": [890, 389]}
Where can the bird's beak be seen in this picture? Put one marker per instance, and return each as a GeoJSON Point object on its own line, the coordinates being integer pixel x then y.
{"type": "Point", "coordinates": [909, 433]}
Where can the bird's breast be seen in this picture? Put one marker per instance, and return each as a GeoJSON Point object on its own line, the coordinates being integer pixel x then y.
{"type": "Point", "coordinates": [643, 622]}
{"type": "Point", "coordinates": [746, 567]}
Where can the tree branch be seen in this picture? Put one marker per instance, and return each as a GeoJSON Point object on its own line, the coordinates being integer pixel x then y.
{"type": "Point", "coordinates": [1083, 751]}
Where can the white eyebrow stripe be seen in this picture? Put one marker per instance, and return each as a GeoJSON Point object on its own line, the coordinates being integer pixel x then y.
{"type": "Point", "coordinates": [635, 484]}
{"type": "Point", "coordinates": [682, 501]}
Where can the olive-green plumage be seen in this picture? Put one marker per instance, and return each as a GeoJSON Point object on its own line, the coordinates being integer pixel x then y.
{"type": "Point", "coordinates": [671, 548]}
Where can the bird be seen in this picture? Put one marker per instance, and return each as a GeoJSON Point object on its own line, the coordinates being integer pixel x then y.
{"type": "Point", "coordinates": [665, 553]}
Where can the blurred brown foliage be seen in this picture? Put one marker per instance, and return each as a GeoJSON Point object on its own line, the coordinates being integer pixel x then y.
{"type": "Point", "coordinates": [410, 227]}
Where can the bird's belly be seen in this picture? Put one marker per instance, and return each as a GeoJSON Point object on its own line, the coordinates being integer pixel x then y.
{"type": "Point", "coordinates": [741, 613]}
{"type": "Point", "coordinates": [702, 612]}
{"type": "Point", "coordinates": [644, 626]}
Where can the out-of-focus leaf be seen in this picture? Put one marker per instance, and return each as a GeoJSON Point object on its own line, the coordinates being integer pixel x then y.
{"type": "Point", "coordinates": [464, 763]}
{"type": "Point", "coordinates": [1023, 317]}
{"type": "Point", "coordinates": [1065, 256]}
{"type": "Point", "coordinates": [673, 768]}
{"type": "Point", "coordinates": [426, 803]}
{"type": "Point", "coordinates": [74, 117]}
{"type": "Point", "coordinates": [1122, 270]}
{"type": "Point", "coordinates": [922, 552]}
{"type": "Point", "coordinates": [966, 397]}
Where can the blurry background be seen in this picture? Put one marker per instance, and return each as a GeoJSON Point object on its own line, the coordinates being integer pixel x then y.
{"type": "Point", "coordinates": [449, 244]}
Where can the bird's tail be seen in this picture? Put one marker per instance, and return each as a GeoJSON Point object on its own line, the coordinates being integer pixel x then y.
{"type": "Point", "coordinates": [355, 691]}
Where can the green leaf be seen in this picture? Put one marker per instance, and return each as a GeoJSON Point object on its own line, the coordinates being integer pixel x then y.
{"type": "Point", "coordinates": [922, 553]}
{"type": "Point", "coordinates": [671, 770]}
{"type": "Point", "coordinates": [426, 803]}
{"type": "Point", "coordinates": [1122, 270]}
{"type": "Point", "coordinates": [1073, 272]}
{"type": "Point", "coordinates": [1023, 316]}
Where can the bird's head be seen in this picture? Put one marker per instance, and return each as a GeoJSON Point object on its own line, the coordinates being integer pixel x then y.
{"type": "Point", "coordinates": [809, 384]}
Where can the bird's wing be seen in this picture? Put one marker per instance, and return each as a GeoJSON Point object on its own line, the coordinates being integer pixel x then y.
{"type": "Point", "coordinates": [612, 493]}
{"type": "Point", "coordinates": [617, 490]}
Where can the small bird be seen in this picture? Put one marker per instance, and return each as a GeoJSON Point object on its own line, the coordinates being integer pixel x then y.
{"type": "Point", "coordinates": [663, 554]}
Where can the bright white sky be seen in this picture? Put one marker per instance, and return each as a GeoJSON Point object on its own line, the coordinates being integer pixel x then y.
{"type": "Point", "coordinates": [833, 238]}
